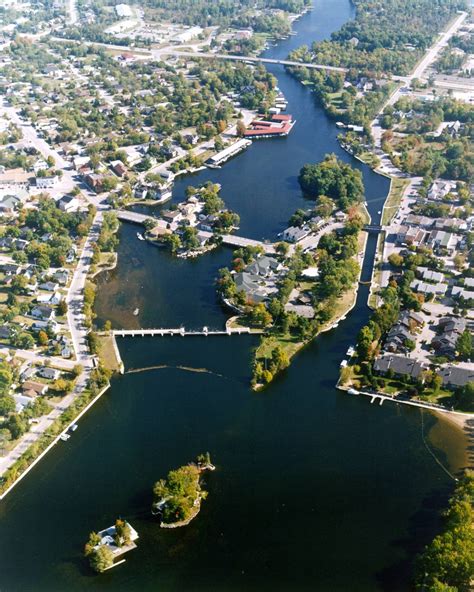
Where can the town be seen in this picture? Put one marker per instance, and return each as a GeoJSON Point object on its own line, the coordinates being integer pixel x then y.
{"type": "Point", "coordinates": [108, 109]}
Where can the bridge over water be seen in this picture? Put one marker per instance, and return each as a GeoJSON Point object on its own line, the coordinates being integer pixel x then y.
{"type": "Point", "coordinates": [182, 332]}
{"type": "Point", "coordinates": [230, 240]}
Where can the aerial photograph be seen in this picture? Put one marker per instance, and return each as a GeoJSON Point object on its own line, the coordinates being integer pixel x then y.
{"type": "Point", "coordinates": [236, 296]}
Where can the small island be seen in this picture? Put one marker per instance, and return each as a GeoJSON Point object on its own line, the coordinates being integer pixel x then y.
{"type": "Point", "coordinates": [105, 546]}
{"type": "Point", "coordinates": [177, 499]}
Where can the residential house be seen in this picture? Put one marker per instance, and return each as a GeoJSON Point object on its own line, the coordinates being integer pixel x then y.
{"type": "Point", "coordinates": [449, 331]}
{"type": "Point", "coordinates": [440, 188]}
{"type": "Point", "coordinates": [34, 389]}
{"type": "Point", "coordinates": [410, 235]}
{"type": "Point", "coordinates": [439, 289]}
{"type": "Point", "coordinates": [43, 313]}
{"type": "Point", "coordinates": [46, 182]}
{"type": "Point", "coordinates": [400, 366]}
{"type": "Point", "coordinates": [9, 204]}
{"type": "Point", "coordinates": [455, 377]}
{"type": "Point", "coordinates": [294, 234]}
{"type": "Point", "coordinates": [49, 373]}
{"type": "Point", "coordinates": [69, 203]}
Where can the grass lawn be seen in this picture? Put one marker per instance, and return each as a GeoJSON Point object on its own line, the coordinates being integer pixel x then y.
{"type": "Point", "coordinates": [394, 198]}
{"type": "Point", "coordinates": [107, 353]}
{"type": "Point", "coordinates": [288, 343]}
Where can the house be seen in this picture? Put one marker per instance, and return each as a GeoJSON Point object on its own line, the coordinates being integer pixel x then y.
{"type": "Point", "coordinates": [425, 288]}
{"type": "Point", "coordinates": [439, 239]}
{"type": "Point", "coordinates": [462, 293]}
{"type": "Point", "coordinates": [94, 180]}
{"type": "Point", "coordinates": [430, 275]}
{"type": "Point", "coordinates": [33, 389]}
{"type": "Point", "coordinates": [440, 188]}
{"type": "Point", "coordinates": [410, 235]}
{"type": "Point", "coordinates": [252, 286]}
{"type": "Point", "coordinates": [46, 326]}
{"type": "Point", "coordinates": [449, 331]}
{"type": "Point", "coordinates": [264, 266]}
{"type": "Point", "coordinates": [69, 203]}
{"type": "Point", "coordinates": [400, 366]}
{"type": "Point", "coordinates": [61, 276]}
{"type": "Point", "coordinates": [43, 313]}
{"type": "Point", "coordinates": [46, 182]}
{"type": "Point", "coordinates": [294, 234]}
{"type": "Point", "coordinates": [456, 377]}
{"type": "Point", "coordinates": [49, 373]}
{"type": "Point", "coordinates": [9, 204]}
{"type": "Point", "coordinates": [118, 168]}
{"type": "Point", "coordinates": [5, 332]}
{"type": "Point", "coordinates": [171, 216]}
{"type": "Point", "coordinates": [48, 286]}
{"type": "Point", "coordinates": [11, 269]}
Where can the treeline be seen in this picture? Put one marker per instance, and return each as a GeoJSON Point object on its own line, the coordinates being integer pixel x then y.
{"type": "Point", "coordinates": [226, 13]}
{"type": "Point", "coordinates": [447, 563]}
{"type": "Point", "coordinates": [334, 179]}
{"type": "Point", "coordinates": [387, 36]}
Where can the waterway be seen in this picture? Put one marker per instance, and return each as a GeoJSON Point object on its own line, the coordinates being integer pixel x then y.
{"type": "Point", "coordinates": [314, 490]}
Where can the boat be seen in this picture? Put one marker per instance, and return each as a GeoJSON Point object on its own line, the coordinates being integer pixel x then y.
{"type": "Point", "coordinates": [64, 437]}
{"type": "Point", "coordinates": [135, 312]}
{"type": "Point", "coordinates": [350, 351]}
{"type": "Point", "coordinates": [74, 427]}
{"type": "Point", "coordinates": [140, 236]}
{"type": "Point", "coordinates": [352, 391]}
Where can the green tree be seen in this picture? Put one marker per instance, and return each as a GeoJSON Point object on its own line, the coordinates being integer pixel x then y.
{"type": "Point", "coordinates": [464, 345]}
{"type": "Point", "coordinates": [101, 559]}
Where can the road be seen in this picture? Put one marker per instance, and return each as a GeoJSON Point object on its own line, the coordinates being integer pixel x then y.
{"type": "Point", "coordinates": [72, 11]}
{"type": "Point", "coordinates": [432, 54]}
{"type": "Point", "coordinates": [75, 296]}
{"type": "Point", "coordinates": [428, 59]}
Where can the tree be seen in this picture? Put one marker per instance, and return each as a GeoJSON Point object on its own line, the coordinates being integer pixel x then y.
{"type": "Point", "coordinates": [334, 179]}
{"type": "Point", "coordinates": [77, 370]}
{"type": "Point", "coordinates": [464, 345]}
{"type": "Point", "coordinates": [282, 248]}
{"type": "Point", "coordinates": [241, 128]}
{"type": "Point", "coordinates": [6, 378]}
{"type": "Point", "coordinates": [7, 404]}
{"type": "Point", "coordinates": [43, 338]}
{"type": "Point", "coordinates": [123, 533]}
{"type": "Point", "coordinates": [396, 260]}
{"type": "Point", "coordinates": [260, 316]}
{"type": "Point", "coordinates": [101, 559]}
{"type": "Point", "coordinates": [62, 307]}
{"type": "Point", "coordinates": [17, 426]}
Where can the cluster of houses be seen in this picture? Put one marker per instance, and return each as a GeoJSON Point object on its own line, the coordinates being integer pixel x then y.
{"type": "Point", "coordinates": [408, 368]}
{"type": "Point", "coordinates": [396, 357]}
{"type": "Point", "coordinates": [35, 381]}
{"type": "Point", "coordinates": [44, 291]}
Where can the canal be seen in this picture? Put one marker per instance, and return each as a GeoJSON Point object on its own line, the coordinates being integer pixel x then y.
{"type": "Point", "coordinates": [314, 490]}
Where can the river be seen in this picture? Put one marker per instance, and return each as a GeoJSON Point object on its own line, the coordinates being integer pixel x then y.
{"type": "Point", "coordinates": [314, 489]}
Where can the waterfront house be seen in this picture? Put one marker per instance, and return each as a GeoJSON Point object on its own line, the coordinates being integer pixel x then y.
{"type": "Point", "coordinates": [455, 377]}
{"type": "Point", "coordinates": [264, 266]}
{"type": "Point", "coordinates": [294, 234]}
{"type": "Point", "coordinates": [400, 366]}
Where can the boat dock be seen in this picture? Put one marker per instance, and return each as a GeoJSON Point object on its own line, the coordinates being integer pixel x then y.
{"type": "Point", "coordinates": [223, 156]}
